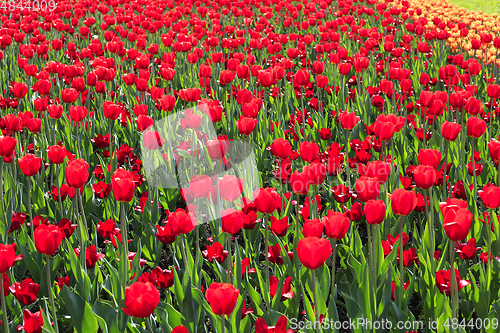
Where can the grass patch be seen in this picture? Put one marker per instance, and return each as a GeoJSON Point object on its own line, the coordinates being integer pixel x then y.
{"type": "Point", "coordinates": [487, 6]}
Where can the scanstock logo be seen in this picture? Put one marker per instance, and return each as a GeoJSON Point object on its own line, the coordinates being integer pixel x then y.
{"type": "Point", "coordinates": [215, 175]}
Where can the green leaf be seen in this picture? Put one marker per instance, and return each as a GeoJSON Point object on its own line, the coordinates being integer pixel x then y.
{"type": "Point", "coordinates": [106, 317]}
{"type": "Point", "coordinates": [82, 317]}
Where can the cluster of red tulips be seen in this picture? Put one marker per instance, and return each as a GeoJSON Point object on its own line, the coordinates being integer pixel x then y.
{"type": "Point", "coordinates": [213, 166]}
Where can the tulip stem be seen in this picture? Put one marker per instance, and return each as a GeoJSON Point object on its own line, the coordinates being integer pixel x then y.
{"type": "Point", "coordinates": [229, 259]}
{"type": "Point", "coordinates": [223, 324]}
{"type": "Point", "coordinates": [83, 226]}
{"type": "Point", "coordinates": [348, 169]}
{"type": "Point", "coordinates": [374, 255]}
{"type": "Point", "coordinates": [401, 261]}
{"type": "Point", "coordinates": [148, 325]}
{"type": "Point", "coordinates": [2, 205]}
{"type": "Point", "coordinates": [110, 152]}
{"type": "Point", "coordinates": [313, 207]}
{"type": "Point", "coordinates": [296, 256]}
{"type": "Point", "coordinates": [4, 306]}
{"type": "Point", "coordinates": [453, 278]}
{"type": "Point", "coordinates": [490, 132]}
{"type": "Point", "coordinates": [59, 193]}
{"type": "Point", "coordinates": [124, 258]}
{"type": "Point", "coordinates": [474, 170]}
{"type": "Point", "coordinates": [51, 295]}
{"type": "Point", "coordinates": [371, 267]}
{"type": "Point", "coordinates": [81, 256]}
{"type": "Point", "coordinates": [334, 258]}
{"type": "Point", "coordinates": [302, 93]}
{"type": "Point", "coordinates": [431, 229]}
{"type": "Point", "coordinates": [184, 255]}
{"type": "Point", "coordinates": [266, 255]}
{"type": "Point", "coordinates": [462, 146]}
{"type": "Point", "coordinates": [197, 233]}
{"type": "Point", "coordinates": [498, 174]}
{"type": "Point", "coordinates": [445, 187]}
{"type": "Point", "coordinates": [488, 230]}
{"type": "Point", "coordinates": [28, 183]}
{"type": "Point", "coordinates": [317, 309]}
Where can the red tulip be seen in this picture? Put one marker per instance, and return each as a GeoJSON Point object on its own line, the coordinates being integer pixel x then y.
{"type": "Point", "coordinates": [279, 227]}
{"type": "Point", "coordinates": [403, 202]}
{"type": "Point", "coordinates": [443, 281]}
{"type": "Point", "coordinates": [167, 233]}
{"type": "Point", "coordinates": [30, 164]}
{"type": "Point", "coordinates": [200, 185]}
{"type": "Point", "coordinates": [300, 182]}
{"type": "Point", "coordinates": [55, 111]}
{"type": "Point", "coordinates": [167, 103]}
{"type": "Point", "coordinates": [430, 157]}
{"type": "Point", "coordinates": [313, 252]}
{"type": "Point", "coordinates": [313, 228]}
{"type": "Point", "coordinates": [217, 149]}
{"type": "Point", "coordinates": [424, 176]}
{"type": "Point", "coordinates": [490, 196]}
{"type": "Point", "coordinates": [336, 224]}
{"type": "Point", "coordinates": [367, 188]}
{"type": "Point", "coordinates": [180, 329]}
{"type": "Point", "coordinates": [78, 113]}
{"type": "Point", "coordinates": [475, 127]}
{"type": "Point", "coordinates": [266, 79]}
{"type": "Point", "coordinates": [450, 131]}
{"type": "Point", "coordinates": [467, 250]}
{"type": "Point", "coordinates": [309, 151]}
{"type": "Point", "coordinates": [111, 110]}
{"type": "Point", "coordinates": [215, 252]}
{"type": "Point", "coordinates": [316, 172]}
{"type": "Point", "coordinates": [473, 106]}
{"type": "Point", "coordinates": [494, 149]}
{"type": "Point", "coordinates": [493, 91]}
{"type": "Point", "coordinates": [19, 90]}
{"type": "Point", "coordinates": [376, 169]}
{"type": "Point", "coordinates": [266, 200]}
{"type": "Point", "coordinates": [69, 95]}
{"type": "Point", "coordinates": [48, 238]}
{"type": "Point", "coordinates": [91, 256]}
{"type": "Point", "coordinates": [230, 187]}
{"type": "Point", "coordinates": [25, 292]}
{"type": "Point", "coordinates": [33, 322]}
{"type": "Point", "coordinates": [77, 173]}
{"type": "Point", "coordinates": [183, 222]}
{"type": "Point", "coordinates": [164, 278]}
{"type": "Point", "coordinates": [318, 67]}
{"type": "Point", "coordinates": [226, 77]}
{"type": "Point", "coordinates": [456, 223]}
{"type": "Point", "coordinates": [152, 140]}
{"type": "Point", "coordinates": [7, 146]}
{"type": "Point", "coordinates": [232, 220]}
{"type": "Point", "coordinates": [302, 77]}
{"type": "Point", "coordinates": [384, 130]}
{"type": "Point", "coordinates": [144, 122]}
{"type": "Point", "coordinates": [122, 183]}
{"type": "Point", "coordinates": [325, 134]}
{"type": "Point", "coordinates": [348, 120]}
{"type": "Point", "coordinates": [190, 94]}
{"type": "Point", "coordinates": [141, 299]}
{"type": "Point", "coordinates": [8, 256]}
{"type": "Point", "coordinates": [246, 125]}
{"type": "Point", "coordinates": [375, 211]}
{"type": "Point", "coordinates": [281, 148]}
{"type": "Point", "coordinates": [222, 298]}
{"type": "Point", "coordinates": [56, 154]}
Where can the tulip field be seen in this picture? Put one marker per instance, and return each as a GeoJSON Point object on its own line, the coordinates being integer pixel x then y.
{"type": "Point", "coordinates": [249, 166]}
